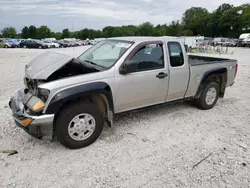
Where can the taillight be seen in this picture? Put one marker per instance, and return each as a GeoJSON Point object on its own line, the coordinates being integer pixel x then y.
{"type": "Point", "coordinates": [236, 69]}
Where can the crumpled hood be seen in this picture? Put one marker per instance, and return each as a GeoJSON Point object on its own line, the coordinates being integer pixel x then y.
{"type": "Point", "coordinates": [46, 64]}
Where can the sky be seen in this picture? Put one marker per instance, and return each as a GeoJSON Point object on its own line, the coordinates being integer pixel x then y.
{"type": "Point", "coordinates": [96, 14]}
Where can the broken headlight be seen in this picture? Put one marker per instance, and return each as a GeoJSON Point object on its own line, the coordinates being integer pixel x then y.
{"type": "Point", "coordinates": [43, 93]}
{"type": "Point", "coordinates": [35, 104]}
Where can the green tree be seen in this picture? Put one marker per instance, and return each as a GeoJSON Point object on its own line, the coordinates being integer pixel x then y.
{"type": "Point", "coordinates": [9, 32]}
{"type": "Point", "coordinates": [193, 19]}
{"type": "Point", "coordinates": [159, 31]}
{"type": "Point", "coordinates": [25, 32]}
{"type": "Point", "coordinates": [174, 29]}
{"type": "Point", "coordinates": [43, 32]}
{"type": "Point", "coordinates": [65, 33]}
{"type": "Point", "coordinates": [145, 29]}
{"type": "Point", "coordinates": [32, 32]}
{"type": "Point", "coordinates": [97, 33]}
{"type": "Point", "coordinates": [214, 23]}
{"type": "Point", "coordinates": [244, 17]}
{"type": "Point", "coordinates": [107, 31]}
{"type": "Point", "coordinates": [84, 33]}
{"type": "Point", "coordinates": [129, 30]}
{"type": "Point", "coordinates": [58, 35]}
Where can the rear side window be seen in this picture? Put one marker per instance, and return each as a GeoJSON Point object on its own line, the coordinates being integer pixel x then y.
{"type": "Point", "coordinates": [175, 54]}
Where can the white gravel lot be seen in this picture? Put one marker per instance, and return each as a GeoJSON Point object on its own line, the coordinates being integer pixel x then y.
{"type": "Point", "coordinates": [156, 147]}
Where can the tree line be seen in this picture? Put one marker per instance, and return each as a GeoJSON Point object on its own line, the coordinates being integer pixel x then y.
{"type": "Point", "coordinates": [226, 21]}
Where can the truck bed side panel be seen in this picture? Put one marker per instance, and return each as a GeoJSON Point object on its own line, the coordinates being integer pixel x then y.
{"type": "Point", "coordinates": [201, 59]}
{"type": "Point", "coordinates": [198, 71]}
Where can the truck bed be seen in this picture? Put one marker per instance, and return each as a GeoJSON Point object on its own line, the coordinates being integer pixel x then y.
{"type": "Point", "coordinates": [194, 60]}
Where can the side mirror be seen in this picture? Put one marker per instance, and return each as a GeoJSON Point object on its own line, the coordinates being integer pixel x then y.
{"type": "Point", "coordinates": [128, 66]}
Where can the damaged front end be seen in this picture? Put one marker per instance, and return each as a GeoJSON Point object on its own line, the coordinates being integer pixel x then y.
{"type": "Point", "coordinates": [28, 103]}
{"type": "Point", "coordinates": [26, 110]}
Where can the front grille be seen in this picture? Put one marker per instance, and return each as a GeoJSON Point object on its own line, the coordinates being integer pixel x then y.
{"type": "Point", "coordinates": [31, 85]}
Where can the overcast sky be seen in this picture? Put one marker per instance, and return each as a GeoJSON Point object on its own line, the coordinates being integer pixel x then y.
{"type": "Point", "coordinates": [96, 14]}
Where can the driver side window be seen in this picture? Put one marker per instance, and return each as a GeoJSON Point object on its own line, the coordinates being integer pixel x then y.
{"type": "Point", "coordinates": [149, 57]}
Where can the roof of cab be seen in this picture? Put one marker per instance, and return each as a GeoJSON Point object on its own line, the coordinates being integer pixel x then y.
{"type": "Point", "coordinates": [147, 38]}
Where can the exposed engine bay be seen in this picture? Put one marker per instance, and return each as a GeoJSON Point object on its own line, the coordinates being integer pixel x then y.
{"type": "Point", "coordinates": [71, 68]}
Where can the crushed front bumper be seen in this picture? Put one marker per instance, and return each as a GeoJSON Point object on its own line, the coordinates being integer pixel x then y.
{"type": "Point", "coordinates": [38, 126]}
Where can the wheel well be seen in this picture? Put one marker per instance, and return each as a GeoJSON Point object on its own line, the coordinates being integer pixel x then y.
{"type": "Point", "coordinates": [99, 99]}
{"type": "Point", "coordinates": [219, 76]}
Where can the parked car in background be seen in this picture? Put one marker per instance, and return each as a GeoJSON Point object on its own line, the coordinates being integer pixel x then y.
{"type": "Point", "coordinates": [63, 44]}
{"type": "Point", "coordinates": [33, 44]}
{"type": "Point", "coordinates": [79, 43]}
{"type": "Point", "coordinates": [48, 44]}
{"type": "Point", "coordinates": [69, 43]}
{"type": "Point", "coordinates": [229, 44]}
{"type": "Point", "coordinates": [19, 41]}
{"type": "Point", "coordinates": [51, 44]}
{"type": "Point", "coordinates": [84, 42]}
{"type": "Point", "coordinates": [9, 43]}
{"type": "Point", "coordinates": [73, 43]}
{"type": "Point", "coordinates": [242, 42]}
{"type": "Point", "coordinates": [246, 42]}
{"type": "Point", "coordinates": [92, 42]}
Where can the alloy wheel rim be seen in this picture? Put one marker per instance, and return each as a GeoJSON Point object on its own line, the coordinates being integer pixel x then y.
{"type": "Point", "coordinates": [211, 95]}
{"type": "Point", "coordinates": [81, 127]}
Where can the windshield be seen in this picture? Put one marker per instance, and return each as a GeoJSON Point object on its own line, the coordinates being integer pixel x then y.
{"type": "Point", "coordinates": [105, 53]}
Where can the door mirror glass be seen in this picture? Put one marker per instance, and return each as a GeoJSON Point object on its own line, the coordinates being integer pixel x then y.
{"type": "Point", "coordinates": [129, 66]}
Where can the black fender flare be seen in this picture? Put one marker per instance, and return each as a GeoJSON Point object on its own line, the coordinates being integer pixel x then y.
{"type": "Point", "coordinates": [75, 92]}
{"type": "Point", "coordinates": [218, 71]}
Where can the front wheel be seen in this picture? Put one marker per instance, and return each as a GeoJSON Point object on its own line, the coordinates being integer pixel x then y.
{"type": "Point", "coordinates": [79, 125]}
{"type": "Point", "coordinates": [209, 96]}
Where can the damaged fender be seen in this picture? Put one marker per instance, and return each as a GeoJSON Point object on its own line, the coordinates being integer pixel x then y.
{"type": "Point", "coordinates": [73, 93]}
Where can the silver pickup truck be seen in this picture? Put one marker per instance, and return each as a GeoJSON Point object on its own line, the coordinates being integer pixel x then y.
{"type": "Point", "coordinates": [71, 99]}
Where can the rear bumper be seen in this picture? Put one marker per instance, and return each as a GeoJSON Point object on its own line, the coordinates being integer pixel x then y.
{"type": "Point", "coordinates": [38, 126]}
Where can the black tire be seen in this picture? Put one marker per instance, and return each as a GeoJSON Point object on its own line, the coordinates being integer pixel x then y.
{"type": "Point", "coordinates": [201, 102]}
{"type": "Point", "coordinates": [67, 114]}
{"type": "Point", "coordinates": [5, 46]}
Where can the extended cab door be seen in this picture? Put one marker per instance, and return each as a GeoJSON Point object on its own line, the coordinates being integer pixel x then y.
{"type": "Point", "coordinates": [179, 71]}
{"type": "Point", "coordinates": [148, 84]}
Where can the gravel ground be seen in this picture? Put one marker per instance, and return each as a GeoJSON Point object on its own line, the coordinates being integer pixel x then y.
{"type": "Point", "coordinates": [156, 147]}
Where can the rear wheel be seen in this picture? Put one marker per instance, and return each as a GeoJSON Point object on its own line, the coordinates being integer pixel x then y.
{"type": "Point", "coordinates": [209, 96]}
{"type": "Point", "coordinates": [40, 47]}
{"type": "Point", "coordinates": [5, 46]}
{"type": "Point", "coordinates": [79, 125]}
{"type": "Point", "coordinates": [24, 46]}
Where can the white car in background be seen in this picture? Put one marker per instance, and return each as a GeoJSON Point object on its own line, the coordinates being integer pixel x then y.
{"type": "Point", "coordinates": [51, 44]}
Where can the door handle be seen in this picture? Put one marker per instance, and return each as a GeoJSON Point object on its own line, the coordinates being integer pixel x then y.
{"type": "Point", "coordinates": [162, 75]}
